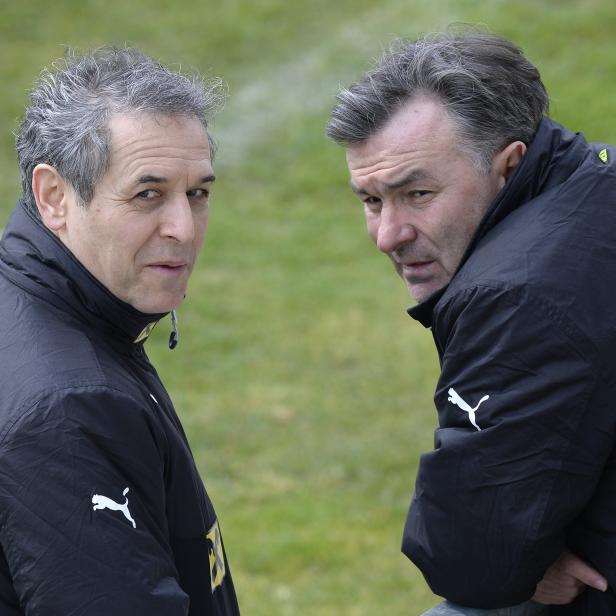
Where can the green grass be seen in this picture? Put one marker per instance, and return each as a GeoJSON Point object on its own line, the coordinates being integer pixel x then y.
{"type": "Point", "coordinates": [305, 390]}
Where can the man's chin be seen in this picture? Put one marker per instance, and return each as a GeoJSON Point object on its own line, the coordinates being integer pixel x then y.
{"type": "Point", "coordinates": [158, 305]}
{"type": "Point", "coordinates": [422, 291]}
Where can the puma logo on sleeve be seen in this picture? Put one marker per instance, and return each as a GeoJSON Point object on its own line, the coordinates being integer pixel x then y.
{"type": "Point", "coordinates": [102, 502]}
{"type": "Point", "coordinates": [459, 402]}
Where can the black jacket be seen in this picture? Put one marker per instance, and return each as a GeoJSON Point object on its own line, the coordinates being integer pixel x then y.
{"type": "Point", "coordinates": [524, 460]}
{"type": "Point", "coordinates": [102, 510]}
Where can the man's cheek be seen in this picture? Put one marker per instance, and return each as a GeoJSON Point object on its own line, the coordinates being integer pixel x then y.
{"type": "Point", "coordinates": [397, 266]}
{"type": "Point", "coordinates": [373, 230]}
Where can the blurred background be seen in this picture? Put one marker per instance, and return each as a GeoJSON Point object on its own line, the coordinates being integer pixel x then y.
{"type": "Point", "coordinates": [305, 389]}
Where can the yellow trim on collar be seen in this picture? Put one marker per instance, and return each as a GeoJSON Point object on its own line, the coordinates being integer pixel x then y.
{"type": "Point", "coordinates": [145, 332]}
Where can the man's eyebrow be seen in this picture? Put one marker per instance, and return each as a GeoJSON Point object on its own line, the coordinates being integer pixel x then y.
{"type": "Point", "coordinates": [151, 179]}
{"type": "Point", "coordinates": [415, 176]}
{"type": "Point", "coordinates": [356, 189]}
{"type": "Point", "coordinates": [155, 179]}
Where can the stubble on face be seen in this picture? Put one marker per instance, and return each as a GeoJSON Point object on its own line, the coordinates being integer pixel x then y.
{"type": "Point", "coordinates": [144, 227]}
{"type": "Point", "coordinates": [423, 197]}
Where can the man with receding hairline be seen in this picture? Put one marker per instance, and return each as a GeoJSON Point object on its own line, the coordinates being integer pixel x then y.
{"type": "Point", "coordinates": [500, 223]}
{"type": "Point", "coordinates": [102, 510]}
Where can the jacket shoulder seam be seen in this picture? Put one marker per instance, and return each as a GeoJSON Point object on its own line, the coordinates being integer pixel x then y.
{"type": "Point", "coordinates": [28, 407]}
{"type": "Point", "coordinates": [544, 306]}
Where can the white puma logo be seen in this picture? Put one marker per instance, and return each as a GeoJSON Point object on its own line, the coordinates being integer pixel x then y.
{"type": "Point", "coordinates": [455, 398]}
{"type": "Point", "coordinates": [102, 502]}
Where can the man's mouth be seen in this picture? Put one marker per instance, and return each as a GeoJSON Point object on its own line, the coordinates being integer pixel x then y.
{"type": "Point", "coordinates": [416, 269]}
{"type": "Point", "coordinates": [169, 267]}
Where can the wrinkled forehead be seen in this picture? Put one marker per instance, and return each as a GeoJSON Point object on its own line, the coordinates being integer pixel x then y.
{"type": "Point", "coordinates": [142, 140]}
{"type": "Point", "coordinates": [420, 121]}
{"type": "Point", "coordinates": [419, 138]}
{"type": "Point", "coordinates": [125, 128]}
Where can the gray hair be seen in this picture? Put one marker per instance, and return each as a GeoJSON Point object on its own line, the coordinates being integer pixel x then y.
{"type": "Point", "coordinates": [493, 94]}
{"type": "Point", "coordinates": [66, 124]}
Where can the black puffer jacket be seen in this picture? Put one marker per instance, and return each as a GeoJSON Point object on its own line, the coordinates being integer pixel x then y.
{"type": "Point", "coordinates": [524, 461]}
{"type": "Point", "coordinates": [102, 510]}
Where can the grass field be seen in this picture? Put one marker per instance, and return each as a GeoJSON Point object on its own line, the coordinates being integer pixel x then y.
{"type": "Point", "coordinates": [304, 387]}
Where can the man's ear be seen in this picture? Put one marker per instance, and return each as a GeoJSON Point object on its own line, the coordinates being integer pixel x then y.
{"type": "Point", "coordinates": [52, 194]}
{"type": "Point", "coordinates": [507, 160]}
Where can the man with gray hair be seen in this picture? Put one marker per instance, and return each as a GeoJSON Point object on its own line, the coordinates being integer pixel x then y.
{"type": "Point", "coordinates": [500, 223]}
{"type": "Point", "coordinates": [102, 510]}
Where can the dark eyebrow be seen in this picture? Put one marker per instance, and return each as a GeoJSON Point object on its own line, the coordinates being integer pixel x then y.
{"type": "Point", "coordinates": [357, 190]}
{"type": "Point", "coordinates": [155, 179]}
{"type": "Point", "coordinates": [414, 176]}
{"type": "Point", "coordinates": [151, 179]}
{"type": "Point", "coordinates": [409, 179]}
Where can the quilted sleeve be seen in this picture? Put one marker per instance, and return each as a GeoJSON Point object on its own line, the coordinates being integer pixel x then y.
{"type": "Point", "coordinates": [82, 508]}
{"type": "Point", "coordinates": [522, 440]}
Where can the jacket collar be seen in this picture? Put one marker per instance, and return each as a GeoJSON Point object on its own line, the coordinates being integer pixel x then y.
{"type": "Point", "coordinates": [549, 160]}
{"type": "Point", "coordinates": [36, 260]}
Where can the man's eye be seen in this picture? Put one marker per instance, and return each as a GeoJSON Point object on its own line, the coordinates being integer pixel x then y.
{"type": "Point", "coordinates": [199, 193]}
{"type": "Point", "coordinates": [372, 203]}
{"type": "Point", "coordinates": [148, 194]}
{"type": "Point", "coordinates": [420, 194]}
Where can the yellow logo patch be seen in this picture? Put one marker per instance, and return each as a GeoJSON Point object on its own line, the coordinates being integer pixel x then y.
{"type": "Point", "coordinates": [217, 556]}
{"type": "Point", "coordinates": [603, 155]}
{"type": "Point", "coordinates": [145, 332]}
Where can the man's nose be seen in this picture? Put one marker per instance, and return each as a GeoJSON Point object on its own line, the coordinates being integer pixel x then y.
{"type": "Point", "coordinates": [177, 219]}
{"type": "Point", "coordinates": [394, 229]}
